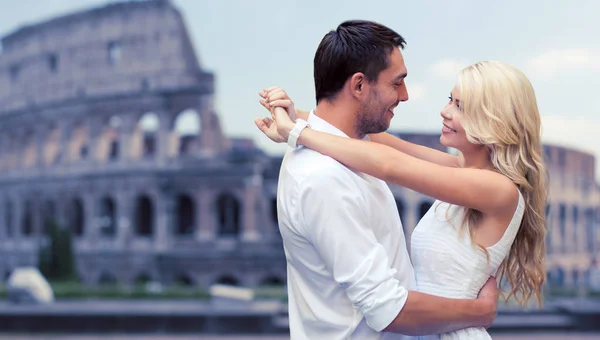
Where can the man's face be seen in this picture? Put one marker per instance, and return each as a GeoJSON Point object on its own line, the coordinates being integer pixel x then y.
{"type": "Point", "coordinates": [376, 111]}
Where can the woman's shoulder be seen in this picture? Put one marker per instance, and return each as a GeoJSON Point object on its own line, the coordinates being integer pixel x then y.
{"type": "Point", "coordinates": [506, 197]}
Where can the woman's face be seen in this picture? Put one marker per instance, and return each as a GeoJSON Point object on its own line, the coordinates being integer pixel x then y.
{"type": "Point", "coordinates": [453, 134]}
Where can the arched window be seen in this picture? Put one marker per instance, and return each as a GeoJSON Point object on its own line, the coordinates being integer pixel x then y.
{"type": "Point", "coordinates": [187, 128]}
{"type": "Point", "coordinates": [185, 215]}
{"type": "Point", "coordinates": [228, 280]}
{"type": "Point", "coordinates": [148, 125]}
{"type": "Point", "coordinates": [77, 218]}
{"type": "Point", "coordinates": [144, 216]}
{"type": "Point", "coordinates": [107, 220]}
{"type": "Point", "coordinates": [27, 222]}
{"type": "Point", "coordinates": [228, 210]}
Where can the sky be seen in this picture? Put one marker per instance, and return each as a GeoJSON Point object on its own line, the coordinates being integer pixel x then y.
{"type": "Point", "coordinates": [249, 45]}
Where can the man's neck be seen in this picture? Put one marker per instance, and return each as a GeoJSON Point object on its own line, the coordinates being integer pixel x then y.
{"type": "Point", "coordinates": [339, 115]}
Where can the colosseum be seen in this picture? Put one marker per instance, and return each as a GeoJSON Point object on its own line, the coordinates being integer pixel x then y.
{"type": "Point", "coordinates": [573, 215]}
{"type": "Point", "coordinates": [109, 130]}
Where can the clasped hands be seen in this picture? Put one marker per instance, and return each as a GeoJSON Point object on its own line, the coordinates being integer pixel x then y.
{"type": "Point", "coordinates": [283, 114]}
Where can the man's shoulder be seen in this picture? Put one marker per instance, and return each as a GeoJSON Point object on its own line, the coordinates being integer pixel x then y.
{"type": "Point", "coordinates": [305, 164]}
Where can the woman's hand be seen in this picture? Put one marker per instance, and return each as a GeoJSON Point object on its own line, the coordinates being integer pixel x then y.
{"type": "Point", "coordinates": [283, 114]}
{"type": "Point", "coordinates": [281, 95]}
{"type": "Point", "coordinates": [276, 93]}
{"type": "Point", "coordinates": [268, 126]}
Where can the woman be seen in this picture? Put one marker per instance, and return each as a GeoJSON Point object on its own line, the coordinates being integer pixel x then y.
{"type": "Point", "coordinates": [488, 218]}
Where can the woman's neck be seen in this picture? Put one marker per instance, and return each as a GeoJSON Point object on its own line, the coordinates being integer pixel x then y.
{"type": "Point", "coordinates": [476, 158]}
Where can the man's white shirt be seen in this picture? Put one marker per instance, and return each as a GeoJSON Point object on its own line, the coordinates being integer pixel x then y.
{"type": "Point", "coordinates": [348, 267]}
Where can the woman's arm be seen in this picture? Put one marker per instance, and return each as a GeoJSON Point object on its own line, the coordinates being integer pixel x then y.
{"type": "Point", "coordinates": [415, 150]}
{"type": "Point", "coordinates": [302, 114]}
{"type": "Point", "coordinates": [483, 190]}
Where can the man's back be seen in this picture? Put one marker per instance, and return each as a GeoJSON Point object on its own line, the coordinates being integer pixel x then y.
{"type": "Point", "coordinates": [346, 253]}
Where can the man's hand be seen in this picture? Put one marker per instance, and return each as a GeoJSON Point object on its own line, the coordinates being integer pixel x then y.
{"type": "Point", "coordinates": [488, 296]}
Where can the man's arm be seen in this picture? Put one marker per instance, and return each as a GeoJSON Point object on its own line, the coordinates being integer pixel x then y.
{"type": "Point", "coordinates": [334, 215]}
{"type": "Point", "coordinates": [428, 314]}
{"type": "Point", "coordinates": [333, 211]}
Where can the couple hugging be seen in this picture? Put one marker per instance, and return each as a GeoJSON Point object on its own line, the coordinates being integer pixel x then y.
{"type": "Point", "coordinates": [349, 273]}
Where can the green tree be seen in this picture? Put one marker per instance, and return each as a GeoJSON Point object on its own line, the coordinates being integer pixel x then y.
{"type": "Point", "coordinates": [55, 256]}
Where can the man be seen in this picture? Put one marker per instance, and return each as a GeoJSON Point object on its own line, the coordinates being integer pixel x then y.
{"type": "Point", "coordinates": [349, 273]}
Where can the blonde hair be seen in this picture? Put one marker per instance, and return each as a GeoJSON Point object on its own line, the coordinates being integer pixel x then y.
{"type": "Point", "coordinates": [499, 110]}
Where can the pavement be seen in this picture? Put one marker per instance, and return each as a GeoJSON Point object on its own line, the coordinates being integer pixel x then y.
{"type": "Point", "coordinates": [512, 336]}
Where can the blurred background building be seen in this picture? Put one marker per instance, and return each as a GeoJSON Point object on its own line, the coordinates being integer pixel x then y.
{"type": "Point", "coordinates": [107, 128]}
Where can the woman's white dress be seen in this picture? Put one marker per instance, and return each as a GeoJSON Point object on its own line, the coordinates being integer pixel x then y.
{"type": "Point", "coordinates": [447, 264]}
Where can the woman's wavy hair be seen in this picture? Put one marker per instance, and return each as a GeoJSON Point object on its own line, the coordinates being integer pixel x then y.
{"type": "Point", "coordinates": [499, 110]}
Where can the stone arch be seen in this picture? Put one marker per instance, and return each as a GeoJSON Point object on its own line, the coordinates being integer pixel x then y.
{"type": "Point", "coordinates": [550, 277]}
{"type": "Point", "coordinates": [184, 279]}
{"type": "Point", "coordinates": [587, 277]}
{"type": "Point", "coordinates": [145, 137]}
{"type": "Point", "coordinates": [576, 220]}
{"type": "Point", "coordinates": [575, 277]}
{"type": "Point", "coordinates": [30, 149]}
{"type": "Point", "coordinates": [107, 278]}
{"type": "Point", "coordinates": [227, 280]}
{"type": "Point", "coordinates": [53, 62]}
{"type": "Point", "coordinates": [424, 206]}
{"type": "Point", "coordinates": [4, 152]}
{"type": "Point", "coordinates": [185, 133]}
{"type": "Point", "coordinates": [588, 229]}
{"type": "Point", "coordinates": [26, 218]}
{"type": "Point", "coordinates": [77, 217]}
{"type": "Point", "coordinates": [144, 216]}
{"type": "Point", "coordinates": [49, 215]}
{"type": "Point", "coordinates": [114, 52]}
{"type": "Point", "coordinates": [52, 147]}
{"type": "Point", "coordinates": [109, 148]}
{"type": "Point", "coordinates": [8, 218]}
{"type": "Point", "coordinates": [142, 278]}
{"type": "Point", "coordinates": [228, 215]}
{"type": "Point", "coordinates": [272, 280]}
{"type": "Point", "coordinates": [186, 215]}
{"type": "Point", "coordinates": [79, 142]}
{"type": "Point", "coordinates": [549, 223]}
{"type": "Point", "coordinates": [562, 224]}
{"type": "Point", "coordinates": [11, 154]}
{"type": "Point", "coordinates": [107, 217]}
{"type": "Point", "coordinates": [560, 276]}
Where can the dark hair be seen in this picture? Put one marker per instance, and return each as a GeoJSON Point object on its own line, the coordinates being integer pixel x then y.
{"type": "Point", "coordinates": [355, 46]}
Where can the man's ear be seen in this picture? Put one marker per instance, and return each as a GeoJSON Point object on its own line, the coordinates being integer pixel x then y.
{"type": "Point", "coordinates": [358, 84]}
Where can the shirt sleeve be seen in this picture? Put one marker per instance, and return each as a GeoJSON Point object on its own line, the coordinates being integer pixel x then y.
{"type": "Point", "coordinates": [335, 217]}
